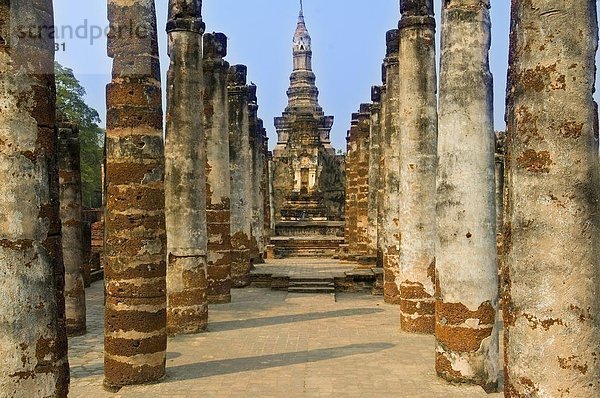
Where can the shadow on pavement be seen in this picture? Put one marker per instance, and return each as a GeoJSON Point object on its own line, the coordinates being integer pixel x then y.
{"type": "Point", "coordinates": [280, 319]}
{"type": "Point", "coordinates": [237, 365]}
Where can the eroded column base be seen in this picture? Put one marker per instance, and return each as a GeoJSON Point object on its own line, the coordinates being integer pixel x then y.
{"type": "Point", "coordinates": [467, 344]}
{"type": "Point", "coordinates": [219, 283]}
{"type": "Point", "coordinates": [417, 309]}
{"type": "Point", "coordinates": [444, 370]}
{"type": "Point", "coordinates": [190, 320]}
{"type": "Point", "coordinates": [187, 310]}
{"type": "Point", "coordinates": [135, 341]}
{"type": "Point", "coordinates": [240, 268]}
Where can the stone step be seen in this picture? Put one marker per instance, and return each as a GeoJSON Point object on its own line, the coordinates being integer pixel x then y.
{"type": "Point", "coordinates": [311, 290]}
{"type": "Point", "coordinates": [312, 284]}
{"type": "Point", "coordinates": [302, 279]}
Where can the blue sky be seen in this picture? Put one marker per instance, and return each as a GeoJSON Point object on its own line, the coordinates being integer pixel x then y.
{"type": "Point", "coordinates": [348, 45]}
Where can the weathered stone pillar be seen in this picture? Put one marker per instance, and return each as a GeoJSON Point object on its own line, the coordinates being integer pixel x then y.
{"type": "Point", "coordinates": [135, 338]}
{"type": "Point", "coordinates": [266, 188]}
{"type": "Point", "coordinates": [351, 188]}
{"type": "Point", "coordinates": [381, 185]}
{"type": "Point", "coordinates": [218, 186]}
{"type": "Point", "coordinates": [363, 243]}
{"type": "Point", "coordinates": [69, 168]}
{"type": "Point", "coordinates": [466, 253]}
{"type": "Point", "coordinates": [270, 181]}
{"type": "Point", "coordinates": [357, 176]}
{"type": "Point", "coordinates": [258, 169]}
{"type": "Point", "coordinates": [374, 176]}
{"type": "Point", "coordinates": [185, 176]}
{"type": "Point", "coordinates": [241, 176]}
{"type": "Point", "coordinates": [254, 141]}
{"type": "Point", "coordinates": [33, 348]}
{"type": "Point", "coordinates": [418, 127]}
{"type": "Point", "coordinates": [390, 155]}
{"type": "Point", "coordinates": [552, 276]}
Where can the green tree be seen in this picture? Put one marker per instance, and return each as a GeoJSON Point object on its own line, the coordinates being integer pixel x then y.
{"type": "Point", "coordinates": [70, 101]}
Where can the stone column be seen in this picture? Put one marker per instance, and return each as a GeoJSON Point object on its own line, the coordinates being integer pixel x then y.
{"type": "Point", "coordinates": [266, 188]}
{"type": "Point", "coordinates": [381, 186]}
{"type": "Point", "coordinates": [218, 186]}
{"type": "Point", "coordinates": [466, 253]}
{"type": "Point", "coordinates": [374, 176]}
{"type": "Point", "coordinates": [271, 194]}
{"type": "Point", "coordinates": [552, 278]}
{"type": "Point", "coordinates": [33, 352]}
{"type": "Point", "coordinates": [391, 170]}
{"type": "Point", "coordinates": [135, 338]}
{"type": "Point", "coordinates": [69, 168]}
{"type": "Point", "coordinates": [241, 168]}
{"type": "Point", "coordinates": [185, 176]}
{"type": "Point", "coordinates": [351, 188]}
{"type": "Point", "coordinates": [258, 168]}
{"type": "Point", "coordinates": [418, 127]}
{"type": "Point", "coordinates": [363, 244]}
{"type": "Point", "coordinates": [254, 141]}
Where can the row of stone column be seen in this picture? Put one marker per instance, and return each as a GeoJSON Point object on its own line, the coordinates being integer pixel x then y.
{"type": "Point", "coordinates": [372, 177]}
{"type": "Point", "coordinates": [249, 172]}
{"type": "Point", "coordinates": [174, 238]}
{"type": "Point", "coordinates": [438, 214]}
{"type": "Point", "coordinates": [166, 264]}
{"type": "Point", "coordinates": [358, 232]}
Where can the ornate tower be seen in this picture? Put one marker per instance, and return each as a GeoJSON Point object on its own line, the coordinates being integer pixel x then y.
{"type": "Point", "coordinates": [303, 157]}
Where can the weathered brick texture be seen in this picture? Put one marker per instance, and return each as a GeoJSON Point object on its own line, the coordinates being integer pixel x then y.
{"type": "Point", "coordinates": [135, 338]}
{"type": "Point", "coordinates": [218, 186]}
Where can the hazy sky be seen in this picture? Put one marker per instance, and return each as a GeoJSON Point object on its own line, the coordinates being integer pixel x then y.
{"type": "Point", "coordinates": [348, 46]}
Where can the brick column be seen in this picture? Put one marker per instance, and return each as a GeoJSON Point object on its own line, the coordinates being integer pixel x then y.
{"type": "Point", "coordinates": [374, 176]}
{"type": "Point", "coordinates": [466, 254]}
{"type": "Point", "coordinates": [185, 188]}
{"type": "Point", "coordinates": [135, 338]}
{"type": "Point", "coordinates": [351, 188]}
{"type": "Point", "coordinates": [362, 244]}
{"type": "Point", "coordinates": [241, 183]}
{"type": "Point", "coordinates": [218, 186]}
{"type": "Point", "coordinates": [69, 167]}
{"type": "Point", "coordinates": [391, 170]}
{"type": "Point", "coordinates": [258, 170]}
{"type": "Point", "coordinates": [418, 135]}
{"type": "Point", "coordinates": [254, 142]}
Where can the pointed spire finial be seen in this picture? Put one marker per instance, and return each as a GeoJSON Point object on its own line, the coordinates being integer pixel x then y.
{"type": "Point", "coordinates": [301, 9]}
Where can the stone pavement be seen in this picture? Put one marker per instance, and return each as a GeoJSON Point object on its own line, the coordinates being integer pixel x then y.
{"type": "Point", "coordinates": [274, 344]}
{"type": "Point", "coordinates": [305, 267]}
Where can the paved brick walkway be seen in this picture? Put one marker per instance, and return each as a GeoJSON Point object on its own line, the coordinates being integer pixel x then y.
{"type": "Point", "coordinates": [274, 344]}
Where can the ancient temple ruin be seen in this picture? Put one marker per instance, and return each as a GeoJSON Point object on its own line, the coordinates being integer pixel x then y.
{"type": "Point", "coordinates": [411, 256]}
{"type": "Point", "coordinates": [308, 181]}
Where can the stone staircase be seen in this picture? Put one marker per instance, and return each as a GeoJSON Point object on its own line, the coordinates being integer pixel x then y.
{"type": "Point", "coordinates": [308, 246]}
{"type": "Point", "coordinates": [311, 285]}
{"type": "Point", "coordinates": [307, 238]}
{"type": "Point", "coordinates": [357, 280]}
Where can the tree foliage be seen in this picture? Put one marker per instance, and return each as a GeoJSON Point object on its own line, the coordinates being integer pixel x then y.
{"type": "Point", "coordinates": [70, 101]}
